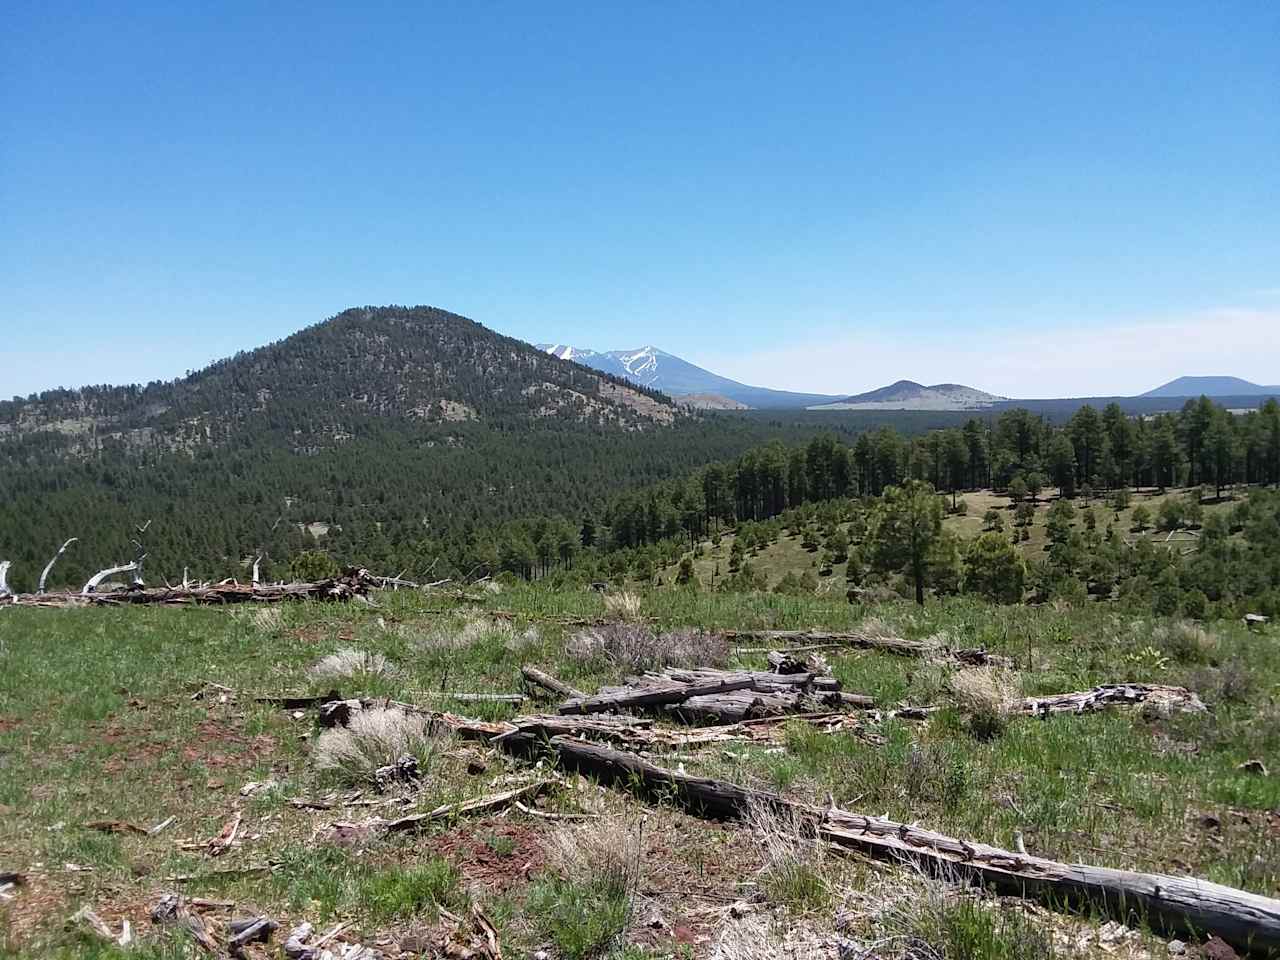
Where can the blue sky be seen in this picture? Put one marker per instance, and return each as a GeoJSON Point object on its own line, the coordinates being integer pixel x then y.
{"type": "Point", "coordinates": [814, 196]}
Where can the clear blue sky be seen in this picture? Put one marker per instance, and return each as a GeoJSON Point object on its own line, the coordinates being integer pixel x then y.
{"type": "Point", "coordinates": [820, 196]}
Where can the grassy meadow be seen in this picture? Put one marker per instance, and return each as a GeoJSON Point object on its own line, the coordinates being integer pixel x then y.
{"type": "Point", "coordinates": [141, 715]}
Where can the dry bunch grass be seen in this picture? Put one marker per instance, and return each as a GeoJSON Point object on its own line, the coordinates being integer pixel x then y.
{"type": "Point", "coordinates": [352, 662]}
{"type": "Point", "coordinates": [374, 738]}
{"type": "Point", "coordinates": [608, 851]}
{"type": "Point", "coordinates": [635, 647]}
{"type": "Point", "coordinates": [622, 606]}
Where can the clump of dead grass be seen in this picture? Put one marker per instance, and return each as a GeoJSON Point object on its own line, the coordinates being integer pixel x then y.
{"type": "Point", "coordinates": [353, 662]}
{"type": "Point", "coordinates": [984, 696]}
{"type": "Point", "coordinates": [793, 872]}
{"type": "Point", "coordinates": [608, 851]}
{"type": "Point", "coordinates": [622, 606]}
{"type": "Point", "coordinates": [374, 738]}
{"type": "Point", "coordinates": [635, 647]}
{"type": "Point", "coordinates": [761, 936]}
{"type": "Point", "coordinates": [1184, 641]}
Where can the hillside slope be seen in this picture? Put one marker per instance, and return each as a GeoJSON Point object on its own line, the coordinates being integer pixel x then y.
{"type": "Point", "coordinates": [327, 382]}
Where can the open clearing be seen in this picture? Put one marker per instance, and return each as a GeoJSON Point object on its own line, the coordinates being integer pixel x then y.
{"type": "Point", "coordinates": [116, 719]}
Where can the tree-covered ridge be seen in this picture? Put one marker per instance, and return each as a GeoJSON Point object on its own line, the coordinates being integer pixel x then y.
{"type": "Point", "coordinates": [326, 382]}
{"type": "Point", "coordinates": [1202, 444]}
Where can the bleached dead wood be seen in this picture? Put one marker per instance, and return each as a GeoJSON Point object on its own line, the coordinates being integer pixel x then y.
{"type": "Point", "coordinates": [1158, 696]}
{"type": "Point", "coordinates": [44, 574]}
{"type": "Point", "coordinates": [1176, 905]}
{"type": "Point", "coordinates": [101, 575]}
{"type": "Point", "coordinates": [4, 578]}
{"type": "Point", "coordinates": [448, 811]}
{"type": "Point", "coordinates": [352, 584]}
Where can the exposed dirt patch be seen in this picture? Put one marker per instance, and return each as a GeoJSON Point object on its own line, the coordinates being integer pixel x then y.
{"type": "Point", "coordinates": [497, 854]}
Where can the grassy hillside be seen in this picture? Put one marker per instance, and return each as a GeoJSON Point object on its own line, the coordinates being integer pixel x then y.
{"type": "Point", "coordinates": [149, 714]}
{"type": "Point", "coordinates": [788, 555]}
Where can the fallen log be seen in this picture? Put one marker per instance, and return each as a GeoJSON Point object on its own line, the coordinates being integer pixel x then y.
{"type": "Point", "coordinates": [547, 682]}
{"type": "Point", "coordinates": [1156, 695]}
{"type": "Point", "coordinates": [826, 638]}
{"type": "Point", "coordinates": [171, 909]}
{"type": "Point", "coordinates": [1174, 905]}
{"type": "Point", "coordinates": [656, 694]}
{"type": "Point", "coordinates": [1181, 906]}
{"type": "Point", "coordinates": [351, 584]}
{"type": "Point", "coordinates": [4, 578]}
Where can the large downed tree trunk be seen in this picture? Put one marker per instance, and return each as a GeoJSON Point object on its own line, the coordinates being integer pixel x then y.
{"type": "Point", "coordinates": [352, 583]}
{"type": "Point", "coordinates": [655, 694]}
{"type": "Point", "coordinates": [1174, 905]}
{"type": "Point", "coordinates": [1154, 695]}
{"type": "Point", "coordinates": [1182, 906]}
{"type": "Point", "coordinates": [806, 641]}
{"type": "Point", "coordinates": [813, 639]}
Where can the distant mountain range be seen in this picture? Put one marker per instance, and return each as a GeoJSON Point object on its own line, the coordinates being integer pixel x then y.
{"type": "Point", "coordinates": [1212, 387]}
{"type": "Point", "coordinates": [659, 370]}
{"type": "Point", "coordinates": [694, 386]}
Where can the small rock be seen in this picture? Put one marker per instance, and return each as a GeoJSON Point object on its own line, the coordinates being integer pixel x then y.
{"type": "Point", "coordinates": [476, 766]}
{"type": "Point", "coordinates": [739, 909]}
{"type": "Point", "coordinates": [1254, 766]}
{"type": "Point", "coordinates": [1177, 948]}
{"type": "Point", "coordinates": [655, 920]}
{"type": "Point", "coordinates": [1210, 822]}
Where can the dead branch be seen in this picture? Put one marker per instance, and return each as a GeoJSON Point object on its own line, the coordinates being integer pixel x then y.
{"type": "Point", "coordinates": [44, 574]}
{"type": "Point", "coordinates": [101, 575]}
{"type": "Point", "coordinates": [418, 821]}
{"type": "Point", "coordinates": [547, 682]}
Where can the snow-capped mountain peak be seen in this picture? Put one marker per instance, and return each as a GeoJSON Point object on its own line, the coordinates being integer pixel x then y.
{"type": "Point", "coordinates": [648, 366]}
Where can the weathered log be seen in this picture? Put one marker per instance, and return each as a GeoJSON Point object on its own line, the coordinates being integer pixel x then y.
{"type": "Point", "coordinates": [44, 574]}
{"type": "Point", "coordinates": [657, 694]}
{"type": "Point", "coordinates": [249, 930]}
{"type": "Point", "coordinates": [547, 682]}
{"type": "Point", "coordinates": [813, 638]}
{"type": "Point", "coordinates": [1158, 696]}
{"type": "Point", "coordinates": [1175, 905]}
{"type": "Point", "coordinates": [1182, 906]}
{"type": "Point", "coordinates": [350, 585]}
{"type": "Point", "coordinates": [4, 578]}
{"type": "Point", "coordinates": [743, 705]}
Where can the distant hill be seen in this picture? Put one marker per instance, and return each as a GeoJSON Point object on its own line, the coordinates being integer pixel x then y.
{"type": "Point", "coordinates": [1212, 387]}
{"type": "Point", "coordinates": [328, 381]}
{"type": "Point", "coordinates": [659, 370]}
{"type": "Point", "coordinates": [909, 395]}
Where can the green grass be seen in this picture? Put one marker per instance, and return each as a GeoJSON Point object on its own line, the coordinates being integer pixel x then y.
{"type": "Point", "coordinates": [98, 721]}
